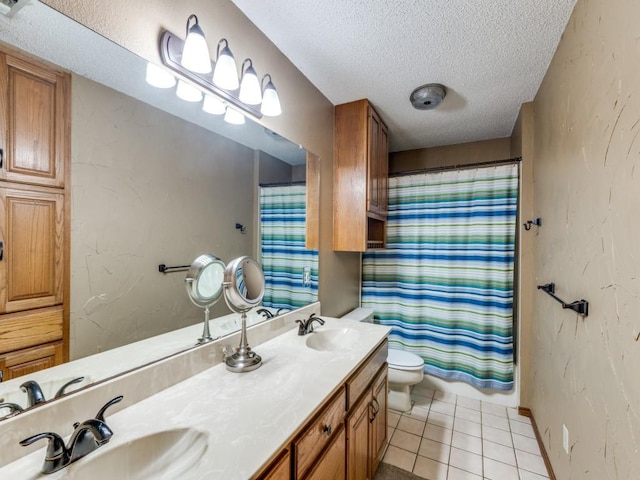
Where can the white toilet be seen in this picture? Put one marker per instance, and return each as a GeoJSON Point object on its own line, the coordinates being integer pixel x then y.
{"type": "Point", "coordinates": [405, 368]}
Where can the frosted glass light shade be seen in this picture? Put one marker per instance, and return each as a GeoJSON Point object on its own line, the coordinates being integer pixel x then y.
{"type": "Point", "coordinates": [234, 117]}
{"type": "Point", "coordinates": [213, 105]}
{"type": "Point", "coordinates": [195, 54]}
{"type": "Point", "coordinates": [159, 77]}
{"type": "Point", "coordinates": [188, 92]}
{"type": "Point", "coordinates": [225, 73]}
{"type": "Point", "coordinates": [250, 91]}
{"type": "Point", "coordinates": [270, 101]}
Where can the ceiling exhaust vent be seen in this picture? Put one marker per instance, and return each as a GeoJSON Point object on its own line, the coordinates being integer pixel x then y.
{"type": "Point", "coordinates": [428, 96]}
{"type": "Point", "coordinates": [10, 7]}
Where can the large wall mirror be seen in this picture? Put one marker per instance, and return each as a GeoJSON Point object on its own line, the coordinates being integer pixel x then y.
{"type": "Point", "coordinates": [154, 180]}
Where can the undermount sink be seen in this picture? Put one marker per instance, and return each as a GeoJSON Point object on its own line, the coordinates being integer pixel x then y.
{"type": "Point", "coordinates": [332, 339]}
{"type": "Point", "coordinates": [169, 454]}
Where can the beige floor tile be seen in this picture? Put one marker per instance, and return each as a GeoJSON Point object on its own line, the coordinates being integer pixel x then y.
{"type": "Point", "coordinates": [468, 403]}
{"type": "Point", "coordinates": [467, 461]}
{"type": "Point", "coordinates": [420, 401]}
{"type": "Point", "coordinates": [468, 414]}
{"type": "Point", "coordinates": [526, 444]}
{"type": "Point", "coordinates": [406, 441]}
{"type": "Point", "coordinates": [496, 435]}
{"type": "Point", "coordinates": [465, 426]}
{"type": "Point", "coordinates": [494, 421]}
{"type": "Point", "coordinates": [434, 450]}
{"type": "Point", "coordinates": [443, 407]}
{"type": "Point", "coordinates": [522, 429]}
{"type": "Point", "coordinates": [498, 452]}
{"type": "Point", "coordinates": [445, 397]}
{"type": "Point", "coordinates": [390, 431]}
{"type": "Point", "coordinates": [399, 458]}
{"type": "Point", "coordinates": [514, 415]}
{"type": "Point", "coordinates": [531, 463]}
{"type": "Point", "coordinates": [499, 471]}
{"type": "Point", "coordinates": [438, 434]}
{"type": "Point", "coordinates": [419, 413]}
{"type": "Point", "coordinates": [440, 419]}
{"type": "Point", "coordinates": [467, 442]}
{"type": "Point", "coordinates": [457, 474]}
{"type": "Point", "coordinates": [411, 425]}
{"type": "Point", "coordinates": [427, 468]}
{"type": "Point", "coordinates": [424, 391]}
{"type": "Point", "coordinates": [392, 418]}
{"type": "Point", "coordinates": [494, 409]}
{"type": "Point", "coordinates": [524, 475]}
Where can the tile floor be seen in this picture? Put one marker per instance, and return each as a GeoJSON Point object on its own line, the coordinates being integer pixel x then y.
{"type": "Point", "coordinates": [449, 437]}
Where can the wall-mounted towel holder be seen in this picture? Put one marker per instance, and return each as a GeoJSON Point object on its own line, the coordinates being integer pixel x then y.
{"type": "Point", "coordinates": [536, 221]}
{"type": "Point", "coordinates": [162, 268]}
{"type": "Point", "coordinates": [579, 306]}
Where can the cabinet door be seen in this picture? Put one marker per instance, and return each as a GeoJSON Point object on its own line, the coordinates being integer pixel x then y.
{"type": "Point", "coordinates": [379, 418]}
{"type": "Point", "coordinates": [332, 464]}
{"type": "Point", "coordinates": [31, 265]}
{"type": "Point", "coordinates": [34, 118]}
{"type": "Point", "coordinates": [30, 360]}
{"type": "Point", "coordinates": [358, 463]}
{"type": "Point", "coordinates": [373, 162]}
{"type": "Point", "coordinates": [279, 470]}
{"type": "Point", "coordinates": [383, 162]}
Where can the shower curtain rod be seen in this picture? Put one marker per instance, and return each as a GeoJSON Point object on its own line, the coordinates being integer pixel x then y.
{"type": "Point", "coordinates": [282, 184]}
{"type": "Point", "coordinates": [462, 166]}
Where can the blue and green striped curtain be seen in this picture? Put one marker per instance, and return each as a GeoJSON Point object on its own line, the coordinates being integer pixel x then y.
{"type": "Point", "coordinates": [445, 282]}
{"type": "Point", "coordinates": [284, 257]}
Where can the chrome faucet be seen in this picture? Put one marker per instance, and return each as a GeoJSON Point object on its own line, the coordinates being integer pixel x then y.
{"type": "Point", "coordinates": [86, 437]}
{"type": "Point", "coordinates": [306, 326]}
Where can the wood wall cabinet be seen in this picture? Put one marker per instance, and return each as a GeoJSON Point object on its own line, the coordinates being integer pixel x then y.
{"type": "Point", "coordinates": [360, 178]}
{"type": "Point", "coordinates": [34, 214]}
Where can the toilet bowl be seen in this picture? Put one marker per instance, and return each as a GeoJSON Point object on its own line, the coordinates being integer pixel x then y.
{"type": "Point", "coordinates": [405, 368]}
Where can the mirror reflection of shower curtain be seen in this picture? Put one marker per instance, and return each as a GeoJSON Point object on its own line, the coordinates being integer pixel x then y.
{"type": "Point", "coordinates": [290, 270]}
{"type": "Point", "coordinates": [445, 282]}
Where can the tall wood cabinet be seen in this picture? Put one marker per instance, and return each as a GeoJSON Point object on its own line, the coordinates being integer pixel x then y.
{"type": "Point", "coordinates": [34, 214]}
{"type": "Point", "coordinates": [360, 173]}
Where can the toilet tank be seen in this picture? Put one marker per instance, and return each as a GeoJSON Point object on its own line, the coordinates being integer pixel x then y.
{"type": "Point", "coordinates": [360, 315]}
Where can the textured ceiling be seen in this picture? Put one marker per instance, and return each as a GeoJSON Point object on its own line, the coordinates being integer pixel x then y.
{"type": "Point", "coordinates": [491, 54]}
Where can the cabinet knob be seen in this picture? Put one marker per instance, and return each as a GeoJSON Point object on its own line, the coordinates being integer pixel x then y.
{"type": "Point", "coordinates": [327, 430]}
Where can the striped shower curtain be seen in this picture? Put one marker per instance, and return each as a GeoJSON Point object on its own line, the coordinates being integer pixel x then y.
{"type": "Point", "coordinates": [290, 270]}
{"type": "Point", "coordinates": [445, 282]}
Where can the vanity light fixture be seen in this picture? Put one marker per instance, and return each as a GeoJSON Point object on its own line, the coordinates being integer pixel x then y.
{"type": "Point", "coordinates": [225, 74]}
{"type": "Point", "coordinates": [188, 92]}
{"type": "Point", "coordinates": [213, 105]}
{"type": "Point", "coordinates": [233, 117]}
{"type": "Point", "coordinates": [270, 100]}
{"type": "Point", "coordinates": [250, 91]}
{"type": "Point", "coordinates": [195, 55]}
{"type": "Point", "coordinates": [159, 77]}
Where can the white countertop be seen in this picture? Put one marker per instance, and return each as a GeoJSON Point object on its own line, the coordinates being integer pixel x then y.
{"type": "Point", "coordinates": [248, 416]}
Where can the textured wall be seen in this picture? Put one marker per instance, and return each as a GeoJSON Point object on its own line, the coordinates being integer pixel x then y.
{"type": "Point", "coordinates": [147, 188]}
{"type": "Point", "coordinates": [587, 191]}
{"type": "Point", "coordinates": [307, 117]}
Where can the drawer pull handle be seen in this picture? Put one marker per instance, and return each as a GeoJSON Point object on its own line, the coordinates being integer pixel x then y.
{"type": "Point", "coordinates": [375, 407]}
{"type": "Point", "coordinates": [1, 255]}
{"type": "Point", "coordinates": [327, 430]}
{"type": "Point", "coordinates": [1, 157]}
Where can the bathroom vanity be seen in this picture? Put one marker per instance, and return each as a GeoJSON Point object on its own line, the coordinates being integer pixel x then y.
{"type": "Point", "coordinates": [316, 408]}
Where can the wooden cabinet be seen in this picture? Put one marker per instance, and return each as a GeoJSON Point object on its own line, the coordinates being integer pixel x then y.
{"type": "Point", "coordinates": [34, 214]}
{"type": "Point", "coordinates": [280, 469]}
{"type": "Point", "coordinates": [360, 178]}
{"type": "Point", "coordinates": [34, 114]}
{"type": "Point", "coordinates": [332, 464]}
{"type": "Point", "coordinates": [378, 421]}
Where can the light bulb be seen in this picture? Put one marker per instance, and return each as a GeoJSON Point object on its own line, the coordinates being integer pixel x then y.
{"type": "Point", "coordinates": [270, 101]}
{"type": "Point", "coordinates": [188, 92]}
{"type": "Point", "coordinates": [225, 73]}
{"type": "Point", "coordinates": [234, 117]}
{"type": "Point", "coordinates": [195, 54]}
{"type": "Point", "coordinates": [159, 77]}
{"type": "Point", "coordinates": [250, 91]}
{"type": "Point", "coordinates": [213, 105]}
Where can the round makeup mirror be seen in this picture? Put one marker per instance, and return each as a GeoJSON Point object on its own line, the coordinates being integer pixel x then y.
{"type": "Point", "coordinates": [243, 290]}
{"type": "Point", "coordinates": [204, 286]}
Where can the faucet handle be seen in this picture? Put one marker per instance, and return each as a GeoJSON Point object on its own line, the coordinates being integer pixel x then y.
{"type": "Point", "coordinates": [113, 401]}
{"type": "Point", "coordinates": [61, 390]}
{"type": "Point", "coordinates": [55, 448]}
{"type": "Point", "coordinates": [34, 392]}
{"type": "Point", "coordinates": [302, 329]}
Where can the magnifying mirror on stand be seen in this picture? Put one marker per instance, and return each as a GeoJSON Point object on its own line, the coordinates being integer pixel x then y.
{"type": "Point", "coordinates": [243, 290]}
{"type": "Point", "coordinates": [204, 287]}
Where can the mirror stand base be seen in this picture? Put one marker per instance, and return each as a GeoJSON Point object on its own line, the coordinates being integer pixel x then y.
{"type": "Point", "coordinates": [244, 360]}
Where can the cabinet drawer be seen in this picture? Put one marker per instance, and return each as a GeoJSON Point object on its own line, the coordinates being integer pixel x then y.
{"type": "Point", "coordinates": [358, 383]}
{"type": "Point", "coordinates": [318, 434]}
{"type": "Point", "coordinates": [26, 329]}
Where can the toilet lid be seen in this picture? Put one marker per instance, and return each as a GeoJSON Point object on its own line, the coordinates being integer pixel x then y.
{"type": "Point", "coordinates": [402, 359]}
